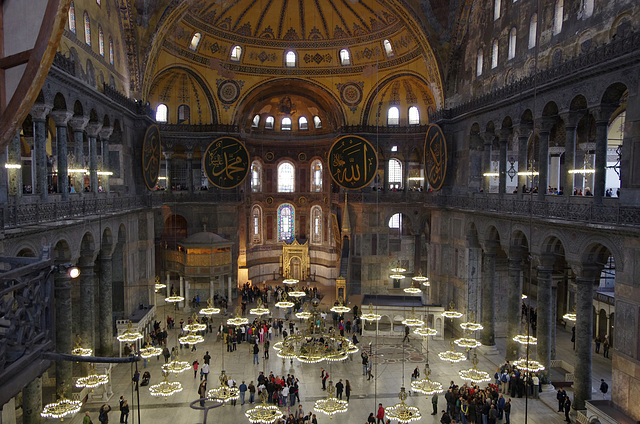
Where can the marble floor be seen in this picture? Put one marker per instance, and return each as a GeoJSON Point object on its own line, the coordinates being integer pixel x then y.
{"type": "Point", "coordinates": [390, 370]}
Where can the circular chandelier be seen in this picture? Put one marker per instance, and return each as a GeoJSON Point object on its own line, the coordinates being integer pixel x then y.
{"type": "Point", "coordinates": [397, 276]}
{"type": "Point", "coordinates": [259, 309]}
{"type": "Point", "coordinates": [402, 412]}
{"type": "Point", "coordinates": [452, 355]}
{"type": "Point", "coordinates": [471, 326]}
{"type": "Point", "coordinates": [195, 325]}
{"type": "Point", "coordinates": [61, 408]}
{"type": "Point", "coordinates": [290, 281]}
{"type": "Point", "coordinates": [209, 310]}
{"type": "Point", "coordinates": [340, 308]}
{"type": "Point", "coordinates": [370, 316]}
{"type": "Point", "coordinates": [284, 303]}
{"type": "Point", "coordinates": [570, 317]}
{"type": "Point", "coordinates": [130, 335]}
{"type": "Point", "coordinates": [331, 405]}
{"type": "Point", "coordinates": [451, 312]}
{"type": "Point", "coordinates": [92, 380]}
{"type": "Point", "coordinates": [176, 367]}
{"type": "Point", "coordinates": [174, 298]}
{"type": "Point", "coordinates": [224, 393]}
{"type": "Point", "coordinates": [412, 321]}
{"type": "Point", "coordinates": [150, 351]}
{"type": "Point", "coordinates": [296, 293]}
{"type": "Point", "coordinates": [159, 286]}
{"type": "Point", "coordinates": [425, 385]}
{"type": "Point", "coordinates": [473, 374]}
{"type": "Point", "coordinates": [263, 413]}
{"type": "Point", "coordinates": [421, 279]}
{"type": "Point", "coordinates": [412, 290]}
{"type": "Point", "coordinates": [191, 339]}
{"type": "Point", "coordinates": [165, 388]}
{"type": "Point", "coordinates": [425, 331]}
{"type": "Point", "coordinates": [304, 314]}
{"type": "Point", "coordinates": [398, 270]}
{"type": "Point", "coordinates": [522, 339]}
{"type": "Point", "coordinates": [528, 365]}
{"type": "Point", "coordinates": [467, 343]}
{"type": "Point", "coordinates": [238, 320]}
{"type": "Point", "coordinates": [79, 350]}
{"type": "Point", "coordinates": [524, 296]}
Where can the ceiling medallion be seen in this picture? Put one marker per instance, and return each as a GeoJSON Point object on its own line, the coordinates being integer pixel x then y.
{"type": "Point", "coordinates": [228, 91]}
{"type": "Point", "coordinates": [351, 94]}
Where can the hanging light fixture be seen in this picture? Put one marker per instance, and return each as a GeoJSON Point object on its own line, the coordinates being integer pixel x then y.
{"type": "Point", "coordinates": [290, 281]}
{"type": "Point", "coordinates": [571, 316]}
{"type": "Point", "coordinates": [284, 303]}
{"type": "Point", "coordinates": [421, 279]}
{"type": "Point", "coordinates": [150, 351]}
{"type": "Point", "coordinates": [61, 408]}
{"type": "Point", "coordinates": [528, 365]}
{"type": "Point", "coordinates": [473, 374]}
{"type": "Point", "coordinates": [224, 393]}
{"type": "Point", "coordinates": [412, 321]}
{"type": "Point", "coordinates": [296, 292]}
{"type": "Point", "coordinates": [524, 296]}
{"type": "Point", "coordinates": [425, 331]}
{"type": "Point", "coordinates": [331, 405]}
{"type": "Point", "coordinates": [451, 312]}
{"type": "Point", "coordinates": [304, 314]}
{"type": "Point", "coordinates": [165, 388]}
{"type": "Point", "coordinates": [174, 298]}
{"type": "Point", "coordinates": [525, 340]}
{"type": "Point", "coordinates": [259, 309]}
{"type": "Point", "coordinates": [425, 385]}
{"type": "Point", "coordinates": [471, 326]}
{"type": "Point", "coordinates": [79, 350]}
{"type": "Point", "coordinates": [195, 326]}
{"type": "Point", "coordinates": [467, 343]}
{"type": "Point", "coordinates": [340, 308]}
{"type": "Point", "coordinates": [402, 412]}
{"type": "Point", "coordinates": [263, 413]}
{"type": "Point", "coordinates": [191, 339]}
{"type": "Point", "coordinates": [209, 310]}
{"type": "Point", "coordinates": [370, 316]}
{"type": "Point", "coordinates": [159, 286]}
{"type": "Point", "coordinates": [130, 335]}
{"type": "Point", "coordinates": [93, 380]}
{"type": "Point", "coordinates": [238, 319]}
{"type": "Point", "coordinates": [412, 290]}
{"type": "Point", "coordinates": [452, 355]}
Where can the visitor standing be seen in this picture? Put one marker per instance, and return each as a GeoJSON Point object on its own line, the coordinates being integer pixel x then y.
{"type": "Point", "coordinates": [339, 389]}
{"type": "Point", "coordinates": [605, 347]}
{"type": "Point", "coordinates": [243, 391]}
{"type": "Point", "coordinates": [380, 414]}
{"type": "Point", "coordinates": [347, 390]}
{"type": "Point", "coordinates": [434, 402]}
{"type": "Point", "coordinates": [604, 387]}
{"type": "Point", "coordinates": [507, 411]}
{"type": "Point", "coordinates": [567, 409]}
{"type": "Point", "coordinates": [103, 417]}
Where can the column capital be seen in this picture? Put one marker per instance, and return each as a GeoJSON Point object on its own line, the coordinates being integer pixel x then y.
{"type": "Point", "coordinates": [189, 154]}
{"type": "Point", "coordinates": [524, 129]}
{"type": "Point", "coordinates": [571, 118]}
{"type": "Point", "coordinates": [168, 154]}
{"type": "Point", "coordinates": [488, 138]}
{"type": "Point", "coordinates": [504, 134]}
{"type": "Point", "coordinates": [105, 133]}
{"type": "Point", "coordinates": [61, 117]}
{"type": "Point", "coordinates": [490, 247]}
{"type": "Point", "coordinates": [546, 261]}
{"type": "Point", "coordinates": [602, 113]}
{"type": "Point", "coordinates": [546, 123]}
{"type": "Point", "coordinates": [78, 123]}
{"type": "Point", "coordinates": [586, 272]}
{"type": "Point", "coordinates": [93, 129]}
{"type": "Point", "coordinates": [39, 111]}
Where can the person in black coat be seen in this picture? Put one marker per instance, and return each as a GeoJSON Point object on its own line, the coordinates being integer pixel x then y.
{"type": "Point", "coordinates": [567, 409]}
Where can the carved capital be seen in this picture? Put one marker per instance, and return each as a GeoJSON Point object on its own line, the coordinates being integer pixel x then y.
{"type": "Point", "coordinates": [504, 134]}
{"type": "Point", "coordinates": [78, 123]}
{"type": "Point", "coordinates": [602, 113]}
{"type": "Point", "coordinates": [39, 112]}
{"type": "Point", "coordinates": [546, 123]}
{"type": "Point", "coordinates": [105, 133]}
{"type": "Point", "coordinates": [61, 117]}
{"type": "Point", "coordinates": [571, 119]}
{"type": "Point", "coordinates": [168, 154]}
{"type": "Point", "coordinates": [93, 129]}
{"type": "Point", "coordinates": [488, 138]}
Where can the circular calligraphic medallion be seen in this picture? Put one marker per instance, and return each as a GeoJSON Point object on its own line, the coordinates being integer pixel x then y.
{"type": "Point", "coordinates": [302, 157]}
{"type": "Point", "coordinates": [228, 91]}
{"type": "Point", "coordinates": [226, 162]}
{"type": "Point", "coordinates": [353, 162]}
{"type": "Point", "coordinates": [435, 156]}
{"type": "Point", "coordinates": [351, 94]}
{"type": "Point", "coordinates": [269, 156]}
{"type": "Point", "coordinates": [151, 151]}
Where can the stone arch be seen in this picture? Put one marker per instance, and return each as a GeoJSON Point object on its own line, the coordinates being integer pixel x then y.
{"type": "Point", "coordinates": [106, 242]}
{"type": "Point", "coordinates": [26, 252]}
{"type": "Point", "coordinates": [407, 227]}
{"type": "Point", "coordinates": [88, 245]}
{"type": "Point", "coordinates": [472, 235]}
{"type": "Point", "coordinates": [613, 94]}
{"type": "Point", "coordinates": [596, 251]}
{"type": "Point", "coordinates": [59, 102]}
{"type": "Point", "coordinates": [78, 109]}
{"type": "Point", "coordinates": [621, 26]}
{"type": "Point", "coordinates": [62, 251]}
{"type": "Point", "coordinates": [578, 103]}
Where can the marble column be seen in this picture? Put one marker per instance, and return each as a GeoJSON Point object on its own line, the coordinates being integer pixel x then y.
{"type": "Point", "coordinates": [182, 291]}
{"type": "Point", "coordinates": [211, 290]}
{"type": "Point", "coordinates": [189, 155]}
{"type": "Point", "coordinates": [32, 402]}
{"type": "Point", "coordinates": [168, 284]}
{"type": "Point", "coordinates": [543, 332]}
{"type": "Point", "coordinates": [167, 161]}
{"type": "Point", "coordinates": [87, 299]}
{"type": "Point", "coordinates": [514, 304]}
{"type": "Point", "coordinates": [78, 124]}
{"type": "Point", "coordinates": [602, 115]}
{"type": "Point", "coordinates": [64, 323]}
{"type": "Point", "coordinates": [488, 293]}
{"type": "Point", "coordinates": [187, 299]}
{"type": "Point", "coordinates": [105, 133]}
{"type": "Point", "coordinates": [586, 281]}
{"type": "Point", "coordinates": [505, 133]}
{"type": "Point", "coordinates": [105, 314]}
{"type": "Point", "coordinates": [15, 175]}
{"type": "Point", "coordinates": [39, 114]}
{"type": "Point", "coordinates": [486, 160]}
{"type": "Point", "coordinates": [523, 164]}
{"type": "Point", "coordinates": [93, 129]}
{"type": "Point", "coordinates": [60, 118]}
{"type": "Point", "coordinates": [543, 161]}
{"type": "Point", "coordinates": [230, 292]}
{"type": "Point", "coordinates": [571, 120]}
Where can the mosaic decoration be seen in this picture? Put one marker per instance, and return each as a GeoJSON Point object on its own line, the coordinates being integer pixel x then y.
{"type": "Point", "coordinates": [353, 162]}
{"type": "Point", "coordinates": [351, 93]}
{"type": "Point", "coordinates": [226, 162]}
{"type": "Point", "coordinates": [151, 151]}
{"type": "Point", "coordinates": [286, 218]}
{"type": "Point", "coordinates": [435, 156]}
{"type": "Point", "coordinates": [228, 91]}
{"type": "Point", "coordinates": [317, 58]}
{"type": "Point", "coordinates": [263, 56]}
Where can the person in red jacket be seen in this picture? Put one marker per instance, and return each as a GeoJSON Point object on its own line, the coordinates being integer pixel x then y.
{"type": "Point", "coordinates": [380, 415]}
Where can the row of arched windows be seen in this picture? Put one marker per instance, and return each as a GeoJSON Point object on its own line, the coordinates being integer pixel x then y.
{"type": "Point", "coordinates": [162, 113]}
{"type": "Point", "coordinates": [286, 215]}
{"type": "Point", "coordinates": [393, 116]}
{"type": "Point", "coordinates": [290, 57]}
{"type": "Point", "coordinates": [87, 32]}
{"type": "Point", "coordinates": [286, 124]}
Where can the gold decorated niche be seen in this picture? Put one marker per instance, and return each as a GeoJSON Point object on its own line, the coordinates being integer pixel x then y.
{"type": "Point", "coordinates": [295, 260]}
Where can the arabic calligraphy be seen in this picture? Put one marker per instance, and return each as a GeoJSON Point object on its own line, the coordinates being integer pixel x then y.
{"type": "Point", "coordinates": [435, 156]}
{"type": "Point", "coordinates": [151, 151]}
{"type": "Point", "coordinates": [353, 162]}
{"type": "Point", "coordinates": [226, 162]}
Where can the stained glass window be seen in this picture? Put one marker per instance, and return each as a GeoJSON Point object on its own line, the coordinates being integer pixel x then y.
{"type": "Point", "coordinates": [344, 57]}
{"type": "Point", "coordinates": [72, 18]}
{"type": "Point", "coordinates": [290, 59]}
{"type": "Point", "coordinates": [100, 40]}
{"type": "Point", "coordinates": [286, 219]}
{"type": "Point", "coordinates": [87, 29]}
{"type": "Point", "coordinates": [388, 48]}
{"type": "Point", "coordinates": [236, 53]}
{"type": "Point", "coordinates": [286, 178]}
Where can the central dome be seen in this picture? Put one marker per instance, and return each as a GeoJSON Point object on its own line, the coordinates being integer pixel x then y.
{"type": "Point", "coordinates": [292, 21]}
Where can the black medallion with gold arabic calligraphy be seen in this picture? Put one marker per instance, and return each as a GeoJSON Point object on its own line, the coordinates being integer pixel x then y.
{"type": "Point", "coordinates": [353, 162]}
{"type": "Point", "coordinates": [151, 151]}
{"type": "Point", "coordinates": [435, 157]}
{"type": "Point", "coordinates": [226, 162]}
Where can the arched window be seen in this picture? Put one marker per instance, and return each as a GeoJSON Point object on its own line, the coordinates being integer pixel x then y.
{"type": "Point", "coordinates": [496, 9]}
{"type": "Point", "coordinates": [479, 61]}
{"type": "Point", "coordinates": [184, 114]}
{"type": "Point", "coordinates": [236, 53]}
{"type": "Point", "coordinates": [395, 221]}
{"type": "Point", "coordinates": [388, 49]}
{"type": "Point", "coordinates": [393, 116]}
{"type": "Point", "coordinates": [494, 54]}
{"type": "Point", "coordinates": [316, 175]}
{"type": "Point", "coordinates": [100, 40]}
{"type": "Point", "coordinates": [290, 59]}
{"type": "Point", "coordinates": [286, 177]}
{"type": "Point", "coordinates": [512, 43]}
{"type": "Point", "coordinates": [414, 116]}
{"type": "Point", "coordinates": [162, 112]}
{"type": "Point", "coordinates": [588, 7]}
{"type": "Point", "coordinates": [533, 30]}
{"type": "Point", "coordinates": [395, 174]}
{"type": "Point", "coordinates": [87, 29]}
{"type": "Point", "coordinates": [268, 123]}
{"type": "Point", "coordinates": [316, 224]}
{"type": "Point", "coordinates": [317, 122]}
{"type": "Point", "coordinates": [255, 122]}
{"type": "Point", "coordinates": [256, 225]}
{"type": "Point", "coordinates": [195, 41]}
{"type": "Point", "coordinates": [285, 124]}
{"type": "Point", "coordinates": [558, 16]}
{"type": "Point", "coordinates": [302, 123]}
{"type": "Point", "coordinates": [286, 220]}
{"type": "Point", "coordinates": [111, 50]}
{"type": "Point", "coordinates": [72, 18]}
{"type": "Point", "coordinates": [345, 59]}
{"type": "Point", "coordinates": [256, 177]}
